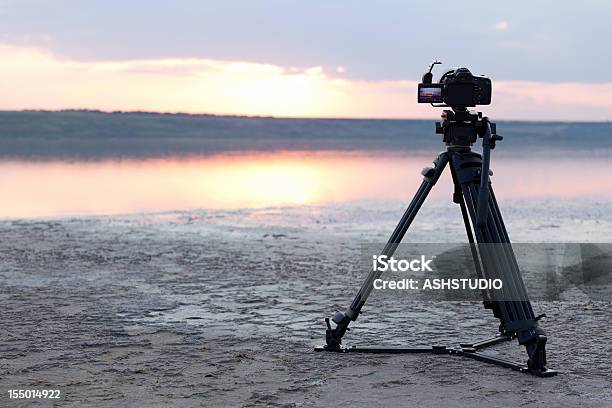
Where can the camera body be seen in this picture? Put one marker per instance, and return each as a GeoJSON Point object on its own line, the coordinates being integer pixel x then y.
{"type": "Point", "coordinates": [457, 88]}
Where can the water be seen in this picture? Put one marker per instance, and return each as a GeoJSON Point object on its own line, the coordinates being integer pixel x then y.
{"type": "Point", "coordinates": [53, 188]}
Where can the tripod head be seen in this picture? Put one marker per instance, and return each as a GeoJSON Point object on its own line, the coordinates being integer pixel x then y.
{"type": "Point", "coordinates": [461, 127]}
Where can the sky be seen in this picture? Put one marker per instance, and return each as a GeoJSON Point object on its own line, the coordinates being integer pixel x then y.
{"type": "Point", "coordinates": [548, 60]}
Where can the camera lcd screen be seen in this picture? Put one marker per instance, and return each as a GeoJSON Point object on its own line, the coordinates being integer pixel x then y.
{"type": "Point", "coordinates": [430, 93]}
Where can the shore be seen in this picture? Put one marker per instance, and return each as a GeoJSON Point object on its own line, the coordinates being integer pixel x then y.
{"type": "Point", "coordinates": [223, 308]}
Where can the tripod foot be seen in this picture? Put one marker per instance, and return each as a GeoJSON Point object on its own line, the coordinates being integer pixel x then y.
{"type": "Point", "coordinates": [537, 357]}
{"type": "Point", "coordinates": [535, 343]}
{"type": "Point", "coordinates": [543, 372]}
{"type": "Point", "coordinates": [327, 348]}
{"type": "Point", "coordinates": [333, 337]}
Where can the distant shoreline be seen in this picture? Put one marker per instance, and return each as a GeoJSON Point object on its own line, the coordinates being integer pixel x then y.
{"type": "Point", "coordinates": [87, 134]}
{"type": "Point", "coordinates": [314, 118]}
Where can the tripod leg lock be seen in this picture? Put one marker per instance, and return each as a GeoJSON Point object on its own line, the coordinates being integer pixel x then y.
{"type": "Point", "coordinates": [428, 172]}
{"type": "Point", "coordinates": [529, 335]}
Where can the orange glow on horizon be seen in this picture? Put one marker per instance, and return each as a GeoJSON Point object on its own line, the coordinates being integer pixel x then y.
{"type": "Point", "coordinates": [35, 78]}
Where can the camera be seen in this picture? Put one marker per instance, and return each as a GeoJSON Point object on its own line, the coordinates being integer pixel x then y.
{"type": "Point", "coordinates": [457, 88]}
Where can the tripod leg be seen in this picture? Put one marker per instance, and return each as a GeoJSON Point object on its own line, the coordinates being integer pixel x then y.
{"type": "Point", "coordinates": [513, 307]}
{"type": "Point", "coordinates": [334, 336]}
{"type": "Point", "coordinates": [533, 337]}
{"type": "Point", "coordinates": [458, 198]}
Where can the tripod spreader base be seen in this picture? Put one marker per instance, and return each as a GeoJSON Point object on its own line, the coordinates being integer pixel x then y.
{"type": "Point", "coordinates": [468, 350]}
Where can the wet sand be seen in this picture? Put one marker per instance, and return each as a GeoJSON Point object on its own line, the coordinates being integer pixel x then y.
{"type": "Point", "coordinates": [222, 308]}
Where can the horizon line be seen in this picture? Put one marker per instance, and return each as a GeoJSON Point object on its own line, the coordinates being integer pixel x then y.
{"type": "Point", "coordinates": [289, 117]}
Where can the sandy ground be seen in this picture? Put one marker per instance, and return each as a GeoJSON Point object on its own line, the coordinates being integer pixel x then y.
{"type": "Point", "coordinates": [222, 308]}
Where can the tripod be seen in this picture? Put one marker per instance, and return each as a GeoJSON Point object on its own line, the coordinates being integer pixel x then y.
{"type": "Point", "coordinates": [484, 225]}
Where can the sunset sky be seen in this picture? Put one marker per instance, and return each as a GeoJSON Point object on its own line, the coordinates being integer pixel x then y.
{"type": "Point", "coordinates": [548, 60]}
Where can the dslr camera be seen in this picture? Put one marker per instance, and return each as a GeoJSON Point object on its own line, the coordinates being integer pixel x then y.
{"type": "Point", "coordinates": [456, 88]}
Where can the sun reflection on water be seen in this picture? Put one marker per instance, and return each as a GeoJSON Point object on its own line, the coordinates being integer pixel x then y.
{"type": "Point", "coordinates": [259, 180]}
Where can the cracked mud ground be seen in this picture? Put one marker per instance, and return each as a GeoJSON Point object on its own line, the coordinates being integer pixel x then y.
{"type": "Point", "coordinates": [222, 308]}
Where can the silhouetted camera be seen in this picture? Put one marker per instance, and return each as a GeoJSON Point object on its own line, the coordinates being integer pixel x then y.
{"type": "Point", "coordinates": [457, 87]}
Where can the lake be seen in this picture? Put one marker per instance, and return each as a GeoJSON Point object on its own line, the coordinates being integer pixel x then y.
{"type": "Point", "coordinates": [50, 188]}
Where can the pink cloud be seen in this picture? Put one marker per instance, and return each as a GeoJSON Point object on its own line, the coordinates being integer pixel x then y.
{"type": "Point", "coordinates": [36, 79]}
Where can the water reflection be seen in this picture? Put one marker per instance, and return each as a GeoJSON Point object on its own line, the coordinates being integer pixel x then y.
{"type": "Point", "coordinates": [266, 179]}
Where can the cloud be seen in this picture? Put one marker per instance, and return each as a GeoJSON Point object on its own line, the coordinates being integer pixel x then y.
{"type": "Point", "coordinates": [315, 71]}
{"type": "Point", "coordinates": [37, 79]}
{"type": "Point", "coordinates": [502, 25]}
